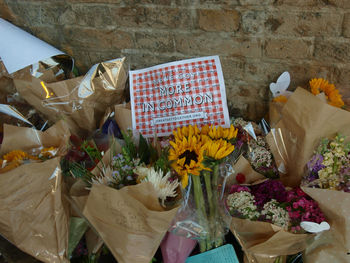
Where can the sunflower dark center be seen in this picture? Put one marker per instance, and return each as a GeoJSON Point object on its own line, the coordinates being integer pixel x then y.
{"type": "Point", "coordinates": [189, 155]}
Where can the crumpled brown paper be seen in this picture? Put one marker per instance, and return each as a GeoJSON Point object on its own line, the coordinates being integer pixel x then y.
{"type": "Point", "coordinates": [335, 246]}
{"type": "Point", "coordinates": [130, 221]}
{"type": "Point", "coordinates": [33, 214]}
{"type": "Point", "coordinates": [243, 166]}
{"type": "Point", "coordinates": [306, 119]}
{"type": "Point", "coordinates": [123, 116]}
{"type": "Point", "coordinates": [262, 241]}
{"type": "Point", "coordinates": [81, 101]}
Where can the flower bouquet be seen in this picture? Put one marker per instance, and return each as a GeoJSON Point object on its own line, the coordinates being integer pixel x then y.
{"type": "Point", "coordinates": [266, 219]}
{"type": "Point", "coordinates": [132, 198]}
{"type": "Point", "coordinates": [327, 179]}
{"type": "Point", "coordinates": [80, 101]}
{"type": "Point", "coordinates": [319, 87]}
{"type": "Point", "coordinates": [34, 216]}
{"type": "Point", "coordinates": [196, 155]}
{"type": "Point", "coordinates": [305, 121]}
{"type": "Point", "coordinates": [257, 151]}
{"type": "Point", "coordinates": [329, 167]}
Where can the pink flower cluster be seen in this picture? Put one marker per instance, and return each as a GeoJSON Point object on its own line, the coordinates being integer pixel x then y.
{"type": "Point", "coordinates": [302, 208]}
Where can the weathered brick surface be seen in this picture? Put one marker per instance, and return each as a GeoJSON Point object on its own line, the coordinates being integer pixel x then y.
{"type": "Point", "coordinates": [333, 50]}
{"type": "Point", "coordinates": [304, 23]}
{"type": "Point", "coordinates": [156, 42]}
{"type": "Point", "coordinates": [288, 48]}
{"type": "Point", "coordinates": [256, 39]}
{"type": "Point", "coordinates": [346, 25]}
{"type": "Point", "coordinates": [219, 20]}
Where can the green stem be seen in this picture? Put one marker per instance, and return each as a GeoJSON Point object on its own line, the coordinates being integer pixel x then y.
{"type": "Point", "coordinates": [199, 200]}
{"type": "Point", "coordinates": [217, 235]}
{"type": "Point", "coordinates": [212, 216]}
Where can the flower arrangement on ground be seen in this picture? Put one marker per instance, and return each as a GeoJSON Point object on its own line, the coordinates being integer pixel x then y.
{"type": "Point", "coordinates": [329, 167]}
{"type": "Point", "coordinates": [195, 155]}
{"type": "Point", "coordinates": [257, 151]}
{"type": "Point", "coordinates": [271, 202]}
{"type": "Point", "coordinates": [136, 194]}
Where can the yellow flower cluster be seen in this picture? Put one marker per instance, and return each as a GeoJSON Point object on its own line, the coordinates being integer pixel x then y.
{"type": "Point", "coordinates": [192, 145]}
{"type": "Point", "coordinates": [332, 94]}
{"type": "Point", "coordinates": [15, 158]}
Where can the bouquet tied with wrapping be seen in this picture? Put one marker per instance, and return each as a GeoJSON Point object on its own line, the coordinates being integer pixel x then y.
{"type": "Point", "coordinates": [196, 155]}
{"type": "Point", "coordinates": [80, 101]}
{"type": "Point", "coordinates": [33, 213]}
{"type": "Point", "coordinates": [132, 198]}
{"type": "Point", "coordinates": [304, 144]}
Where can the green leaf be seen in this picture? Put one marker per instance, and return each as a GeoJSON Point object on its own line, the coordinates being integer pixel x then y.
{"type": "Point", "coordinates": [77, 228]}
{"type": "Point", "coordinates": [129, 149]}
{"type": "Point", "coordinates": [144, 150]}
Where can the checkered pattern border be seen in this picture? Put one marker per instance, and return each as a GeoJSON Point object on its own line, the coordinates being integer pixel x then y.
{"type": "Point", "coordinates": [149, 103]}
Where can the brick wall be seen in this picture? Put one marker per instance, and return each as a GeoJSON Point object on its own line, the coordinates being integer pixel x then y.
{"type": "Point", "coordinates": [256, 39]}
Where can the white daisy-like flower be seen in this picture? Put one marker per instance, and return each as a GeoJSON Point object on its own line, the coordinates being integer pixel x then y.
{"type": "Point", "coordinates": [161, 183]}
{"type": "Point", "coordinates": [105, 177]}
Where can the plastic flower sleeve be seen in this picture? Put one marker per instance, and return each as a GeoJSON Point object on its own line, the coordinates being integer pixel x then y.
{"type": "Point", "coordinates": [176, 249]}
{"type": "Point", "coordinates": [11, 102]}
{"type": "Point", "coordinates": [202, 215]}
{"type": "Point", "coordinates": [34, 215]}
{"type": "Point", "coordinates": [81, 101]}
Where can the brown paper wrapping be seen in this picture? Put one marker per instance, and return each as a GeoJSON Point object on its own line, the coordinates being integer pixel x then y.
{"type": "Point", "coordinates": [63, 99]}
{"type": "Point", "coordinates": [264, 242]}
{"type": "Point", "coordinates": [261, 241]}
{"type": "Point", "coordinates": [305, 121]}
{"type": "Point", "coordinates": [25, 139]}
{"type": "Point", "coordinates": [33, 214]}
{"type": "Point", "coordinates": [130, 221]}
{"type": "Point", "coordinates": [244, 167]}
{"type": "Point", "coordinates": [123, 116]}
{"type": "Point", "coordinates": [335, 245]}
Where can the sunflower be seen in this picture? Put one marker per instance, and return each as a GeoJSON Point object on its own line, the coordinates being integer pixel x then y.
{"type": "Point", "coordinates": [218, 149]}
{"type": "Point", "coordinates": [332, 94]}
{"type": "Point", "coordinates": [187, 157]}
{"type": "Point", "coordinates": [222, 133]}
{"type": "Point", "coordinates": [186, 131]}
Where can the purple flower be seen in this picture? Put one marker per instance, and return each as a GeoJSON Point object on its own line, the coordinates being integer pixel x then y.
{"type": "Point", "coordinates": [270, 189]}
{"type": "Point", "coordinates": [315, 164]}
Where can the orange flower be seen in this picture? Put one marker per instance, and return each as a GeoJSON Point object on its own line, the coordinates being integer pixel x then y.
{"type": "Point", "coordinates": [280, 98]}
{"type": "Point", "coordinates": [332, 94]}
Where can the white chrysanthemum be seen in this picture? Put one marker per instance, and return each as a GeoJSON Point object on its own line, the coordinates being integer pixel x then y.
{"type": "Point", "coordinates": [161, 183]}
{"type": "Point", "coordinates": [105, 177]}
